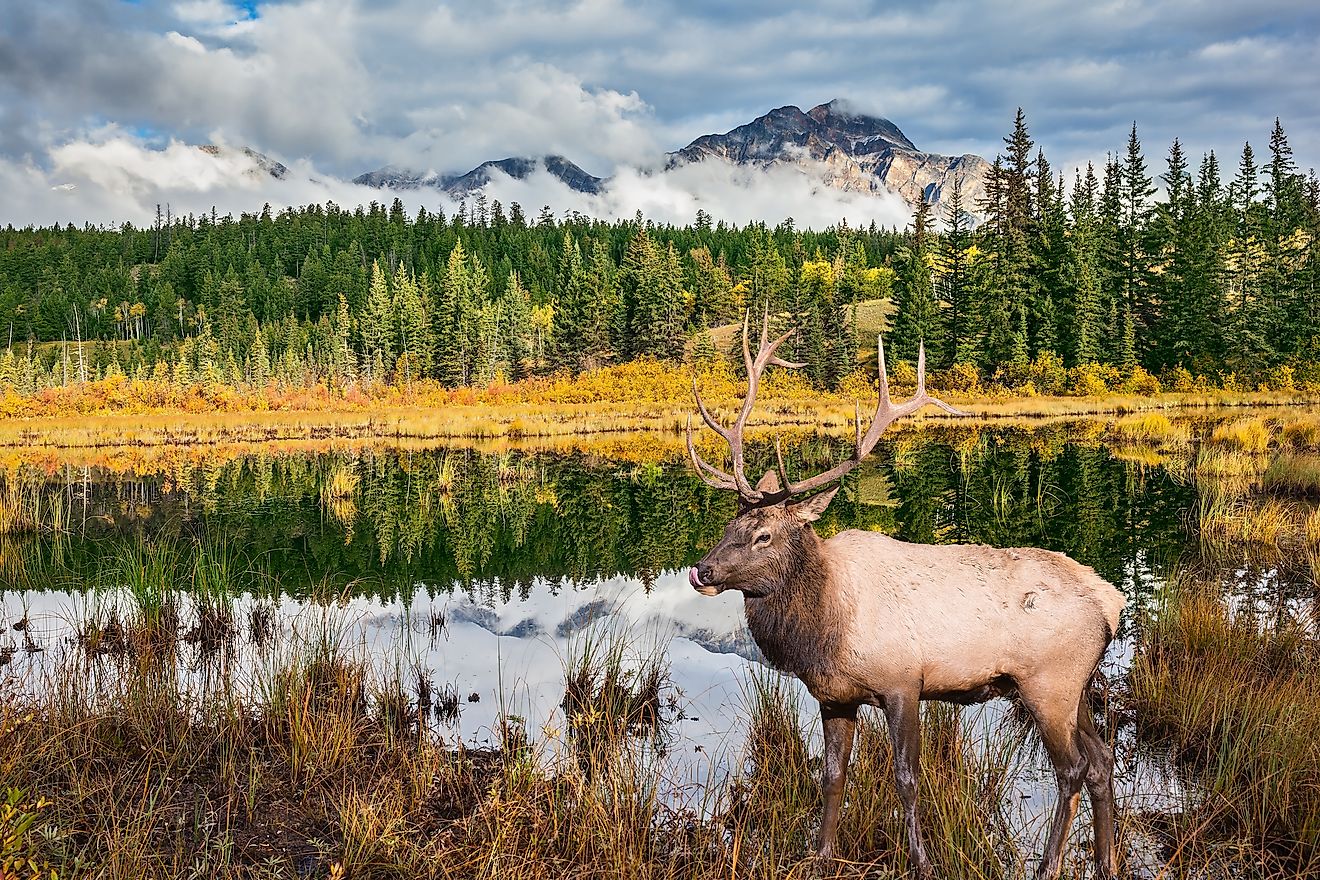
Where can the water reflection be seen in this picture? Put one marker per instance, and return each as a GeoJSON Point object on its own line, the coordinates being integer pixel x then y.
{"type": "Point", "coordinates": [391, 523]}
{"type": "Point", "coordinates": [519, 555]}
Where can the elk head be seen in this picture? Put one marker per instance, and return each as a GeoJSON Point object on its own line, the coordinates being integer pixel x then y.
{"type": "Point", "coordinates": [767, 540]}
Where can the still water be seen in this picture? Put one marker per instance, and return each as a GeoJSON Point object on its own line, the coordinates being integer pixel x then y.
{"type": "Point", "coordinates": [485, 573]}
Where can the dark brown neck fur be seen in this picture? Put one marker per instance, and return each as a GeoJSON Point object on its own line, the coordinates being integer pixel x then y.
{"type": "Point", "coordinates": [796, 620]}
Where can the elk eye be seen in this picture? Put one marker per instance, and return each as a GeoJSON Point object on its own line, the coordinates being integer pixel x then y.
{"type": "Point", "coordinates": [763, 538]}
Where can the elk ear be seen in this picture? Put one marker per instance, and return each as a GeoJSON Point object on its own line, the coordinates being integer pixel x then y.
{"type": "Point", "coordinates": [811, 509]}
{"type": "Point", "coordinates": [768, 483]}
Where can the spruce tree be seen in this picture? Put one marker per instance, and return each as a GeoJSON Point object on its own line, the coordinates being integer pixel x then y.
{"type": "Point", "coordinates": [918, 319]}
{"type": "Point", "coordinates": [1140, 312]}
{"type": "Point", "coordinates": [378, 327]}
{"type": "Point", "coordinates": [955, 277]}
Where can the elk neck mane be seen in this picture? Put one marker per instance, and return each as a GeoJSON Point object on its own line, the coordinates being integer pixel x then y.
{"type": "Point", "coordinates": [797, 620]}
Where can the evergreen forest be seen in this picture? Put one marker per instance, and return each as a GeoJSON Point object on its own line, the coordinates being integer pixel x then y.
{"type": "Point", "coordinates": [1189, 270]}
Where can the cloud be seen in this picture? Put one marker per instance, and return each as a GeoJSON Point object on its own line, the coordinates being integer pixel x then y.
{"type": "Point", "coordinates": [735, 194]}
{"type": "Point", "coordinates": [349, 85]}
{"type": "Point", "coordinates": [120, 179]}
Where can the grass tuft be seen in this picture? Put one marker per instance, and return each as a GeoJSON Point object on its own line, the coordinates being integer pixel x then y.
{"type": "Point", "coordinates": [1233, 696]}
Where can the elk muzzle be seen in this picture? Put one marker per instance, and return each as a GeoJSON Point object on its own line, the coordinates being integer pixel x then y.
{"type": "Point", "coordinates": [699, 580]}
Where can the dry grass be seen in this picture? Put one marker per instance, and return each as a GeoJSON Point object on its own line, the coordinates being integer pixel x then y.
{"type": "Point", "coordinates": [1234, 698]}
{"type": "Point", "coordinates": [1154, 428]}
{"type": "Point", "coordinates": [1244, 435]}
{"type": "Point", "coordinates": [1293, 474]}
{"type": "Point", "coordinates": [1234, 522]}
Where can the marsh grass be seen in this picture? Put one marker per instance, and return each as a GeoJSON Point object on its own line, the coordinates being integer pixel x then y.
{"type": "Point", "coordinates": [1232, 697]}
{"type": "Point", "coordinates": [1230, 523]}
{"type": "Point", "coordinates": [615, 688]}
{"type": "Point", "coordinates": [310, 761]}
{"type": "Point", "coordinates": [1252, 434]}
{"type": "Point", "coordinates": [1152, 428]}
{"type": "Point", "coordinates": [1292, 473]}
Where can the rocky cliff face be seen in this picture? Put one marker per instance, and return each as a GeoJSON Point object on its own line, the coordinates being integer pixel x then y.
{"type": "Point", "coordinates": [854, 152]}
{"type": "Point", "coordinates": [850, 151]}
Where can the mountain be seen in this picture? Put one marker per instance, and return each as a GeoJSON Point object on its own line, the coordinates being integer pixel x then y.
{"type": "Point", "coordinates": [846, 149]}
{"type": "Point", "coordinates": [852, 151]}
{"type": "Point", "coordinates": [461, 185]}
{"type": "Point", "coordinates": [519, 168]}
{"type": "Point", "coordinates": [263, 162]}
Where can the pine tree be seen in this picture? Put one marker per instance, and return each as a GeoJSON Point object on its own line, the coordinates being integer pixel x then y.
{"type": "Point", "coordinates": [601, 306]}
{"type": "Point", "coordinates": [517, 331]}
{"type": "Point", "coordinates": [571, 319]}
{"type": "Point", "coordinates": [378, 327]}
{"type": "Point", "coordinates": [918, 319]}
{"type": "Point", "coordinates": [712, 290]}
{"type": "Point", "coordinates": [1048, 255]}
{"type": "Point", "coordinates": [1172, 238]}
{"type": "Point", "coordinates": [415, 339]}
{"type": "Point", "coordinates": [815, 299]}
{"type": "Point", "coordinates": [769, 277]}
{"type": "Point", "coordinates": [955, 286]}
{"type": "Point", "coordinates": [1249, 315]}
{"type": "Point", "coordinates": [1285, 250]}
{"type": "Point", "coordinates": [456, 313]}
{"type": "Point", "coordinates": [341, 352]}
{"type": "Point", "coordinates": [1001, 290]}
{"type": "Point", "coordinates": [1079, 281]}
{"type": "Point", "coordinates": [653, 297]}
{"type": "Point", "coordinates": [1140, 314]}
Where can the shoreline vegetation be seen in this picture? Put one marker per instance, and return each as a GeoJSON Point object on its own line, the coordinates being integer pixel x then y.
{"type": "Point", "coordinates": [639, 396]}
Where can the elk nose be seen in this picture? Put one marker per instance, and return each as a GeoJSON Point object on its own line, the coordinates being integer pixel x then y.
{"type": "Point", "coordinates": [704, 572]}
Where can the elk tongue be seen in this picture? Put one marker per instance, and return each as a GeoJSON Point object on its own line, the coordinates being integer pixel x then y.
{"type": "Point", "coordinates": [694, 579]}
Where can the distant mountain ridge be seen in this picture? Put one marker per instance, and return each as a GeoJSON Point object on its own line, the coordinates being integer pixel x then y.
{"type": "Point", "coordinates": [459, 185]}
{"type": "Point", "coordinates": [847, 150]}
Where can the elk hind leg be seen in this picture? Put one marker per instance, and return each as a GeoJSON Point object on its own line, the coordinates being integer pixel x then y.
{"type": "Point", "coordinates": [1100, 787]}
{"type": "Point", "coordinates": [1057, 722]}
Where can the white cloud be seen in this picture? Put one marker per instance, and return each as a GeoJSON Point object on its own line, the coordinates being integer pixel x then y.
{"type": "Point", "coordinates": [351, 85]}
{"type": "Point", "coordinates": [120, 179]}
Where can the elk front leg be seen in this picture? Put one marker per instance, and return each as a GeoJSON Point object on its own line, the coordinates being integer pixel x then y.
{"type": "Point", "coordinates": [903, 714]}
{"type": "Point", "coordinates": [839, 723]}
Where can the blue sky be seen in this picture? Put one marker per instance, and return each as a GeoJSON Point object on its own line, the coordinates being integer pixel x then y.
{"type": "Point", "coordinates": [350, 85]}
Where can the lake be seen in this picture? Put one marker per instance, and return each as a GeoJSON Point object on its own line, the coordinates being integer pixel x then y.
{"type": "Point", "coordinates": [485, 574]}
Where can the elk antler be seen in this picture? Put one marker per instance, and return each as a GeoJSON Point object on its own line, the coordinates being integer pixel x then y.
{"type": "Point", "coordinates": [765, 355]}
{"type": "Point", "coordinates": [886, 414]}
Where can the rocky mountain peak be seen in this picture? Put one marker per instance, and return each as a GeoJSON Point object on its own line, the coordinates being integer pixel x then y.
{"type": "Point", "coordinates": [461, 185]}
{"type": "Point", "coordinates": [261, 161]}
{"type": "Point", "coordinates": [842, 124]}
{"type": "Point", "coordinates": [836, 142]}
{"type": "Point", "coordinates": [849, 149]}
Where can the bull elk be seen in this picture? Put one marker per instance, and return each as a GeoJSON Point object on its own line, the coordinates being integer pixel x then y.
{"type": "Point", "coordinates": [864, 619]}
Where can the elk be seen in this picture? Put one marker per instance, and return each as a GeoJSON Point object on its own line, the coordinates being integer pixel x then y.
{"type": "Point", "coordinates": [864, 619]}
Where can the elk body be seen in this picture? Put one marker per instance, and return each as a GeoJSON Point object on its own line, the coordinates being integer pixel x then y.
{"type": "Point", "coordinates": [864, 619]}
